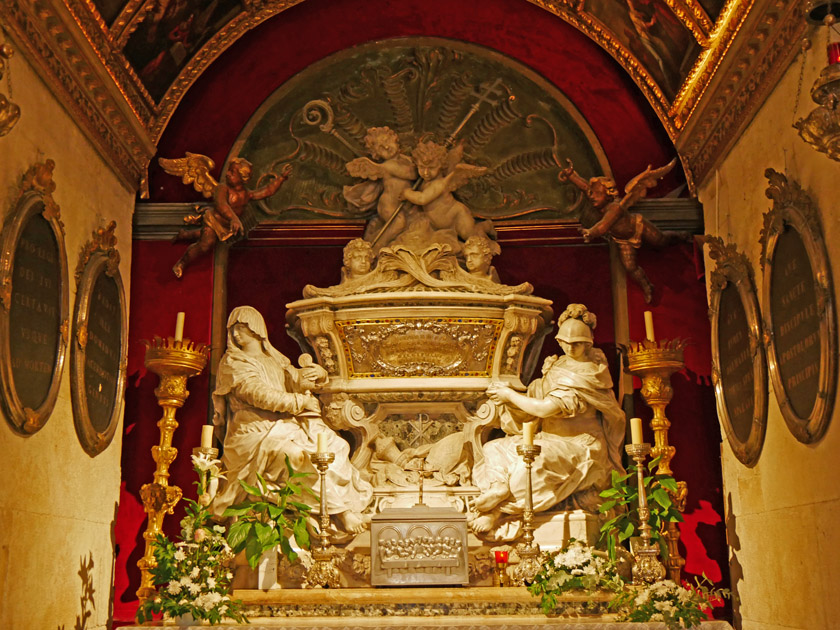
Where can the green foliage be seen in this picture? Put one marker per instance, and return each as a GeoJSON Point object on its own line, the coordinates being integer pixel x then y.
{"type": "Point", "coordinates": [666, 601]}
{"type": "Point", "coordinates": [270, 517]}
{"type": "Point", "coordinates": [623, 497]}
{"type": "Point", "coordinates": [575, 567]}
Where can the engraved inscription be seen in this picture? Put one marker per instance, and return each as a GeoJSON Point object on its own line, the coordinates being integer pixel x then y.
{"type": "Point", "coordinates": [103, 351]}
{"type": "Point", "coordinates": [34, 316]}
{"type": "Point", "coordinates": [736, 362]}
{"type": "Point", "coordinates": [796, 322]}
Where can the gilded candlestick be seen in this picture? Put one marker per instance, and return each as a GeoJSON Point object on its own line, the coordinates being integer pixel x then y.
{"type": "Point", "coordinates": [174, 361]}
{"type": "Point", "coordinates": [647, 569]}
{"type": "Point", "coordinates": [323, 571]}
{"type": "Point", "coordinates": [528, 550]}
{"type": "Point", "coordinates": [654, 363]}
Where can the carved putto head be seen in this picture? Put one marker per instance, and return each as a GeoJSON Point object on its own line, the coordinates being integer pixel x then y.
{"type": "Point", "coordinates": [239, 167]}
{"type": "Point", "coordinates": [430, 157]}
{"type": "Point", "coordinates": [479, 252]}
{"type": "Point", "coordinates": [601, 190]}
{"type": "Point", "coordinates": [358, 258]}
{"type": "Point", "coordinates": [382, 142]}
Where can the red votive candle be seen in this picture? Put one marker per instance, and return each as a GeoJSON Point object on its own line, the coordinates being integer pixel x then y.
{"type": "Point", "coordinates": [833, 53]}
{"type": "Point", "coordinates": [501, 557]}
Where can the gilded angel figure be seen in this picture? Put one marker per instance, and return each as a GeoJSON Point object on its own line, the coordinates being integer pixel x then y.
{"type": "Point", "coordinates": [221, 221]}
{"type": "Point", "coordinates": [628, 231]}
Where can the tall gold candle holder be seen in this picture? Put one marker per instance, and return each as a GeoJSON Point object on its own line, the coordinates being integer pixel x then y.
{"type": "Point", "coordinates": [647, 569]}
{"type": "Point", "coordinates": [323, 571]}
{"type": "Point", "coordinates": [528, 550]}
{"type": "Point", "coordinates": [654, 363]}
{"type": "Point", "coordinates": [174, 361]}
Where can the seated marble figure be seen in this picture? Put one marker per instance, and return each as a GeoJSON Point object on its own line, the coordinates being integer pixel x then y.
{"type": "Point", "coordinates": [581, 429]}
{"type": "Point", "coordinates": [267, 412]}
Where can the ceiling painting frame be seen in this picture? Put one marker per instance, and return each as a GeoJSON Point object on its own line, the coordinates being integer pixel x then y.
{"type": "Point", "coordinates": [743, 53]}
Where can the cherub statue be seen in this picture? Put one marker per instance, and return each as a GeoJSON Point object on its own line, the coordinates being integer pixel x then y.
{"type": "Point", "coordinates": [222, 221]}
{"type": "Point", "coordinates": [443, 173]}
{"type": "Point", "coordinates": [478, 256]}
{"type": "Point", "coordinates": [396, 172]}
{"type": "Point", "coordinates": [628, 231]}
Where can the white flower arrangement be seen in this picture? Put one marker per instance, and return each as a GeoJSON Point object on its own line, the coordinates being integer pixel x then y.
{"type": "Point", "coordinates": [576, 567]}
{"type": "Point", "coordinates": [666, 601]}
{"type": "Point", "coordinates": [193, 576]}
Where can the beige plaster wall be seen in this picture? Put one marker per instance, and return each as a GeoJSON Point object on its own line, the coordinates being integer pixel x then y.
{"type": "Point", "coordinates": [57, 504]}
{"type": "Point", "coordinates": [782, 513]}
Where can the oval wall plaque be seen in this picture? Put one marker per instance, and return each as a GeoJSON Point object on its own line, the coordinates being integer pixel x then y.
{"type": "Point", "coordinates": [738, 367]}
{"type": "Point", "coordinates": [100, 348]}
{"type": "Point", "coordinates": [35, 303]}
{"type": "Point", "coordinates": [799, 310]}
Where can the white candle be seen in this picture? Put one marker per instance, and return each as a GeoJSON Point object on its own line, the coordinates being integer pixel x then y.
{"type": "Point", "coordinates": [649, 326]}
{"type": "Point", "coordinates": [322, 442]}
{"type": "Point", "coordinates": [528, 433]}
{"type": "Point", "coordinates": [207, 436]}
{"type": "Point", "coordinates": [179, 326]}
{"type": "Point", "coordinates": [636, 431]}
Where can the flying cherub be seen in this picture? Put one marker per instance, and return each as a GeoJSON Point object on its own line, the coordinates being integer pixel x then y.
{"type": "Point", "coordinates": [627, 230]}
{"type": "Point", "coordinates": [396, 173]}
{"type": "Point", "coordinates": [222, 220]}
{"type": "Point", "coordinates": [443, 173]}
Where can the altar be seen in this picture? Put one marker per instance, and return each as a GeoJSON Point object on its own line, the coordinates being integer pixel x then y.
{"type": "Point", "coordinates": [422, 454]}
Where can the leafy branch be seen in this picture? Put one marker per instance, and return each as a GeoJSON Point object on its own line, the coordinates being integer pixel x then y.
{"type": "Point", "coordinates": [623, 498]}
{"type": "Point", "coordinates": [271, 517]}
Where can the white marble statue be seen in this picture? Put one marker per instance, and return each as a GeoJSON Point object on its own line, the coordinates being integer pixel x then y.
{"type": "Point", "coordinates": [443, 172]}
{"type": "Point", "coordinates": [267, 412]}
{"type": "Point", "coordinates": [388, 179]}
{"type": "Point", "coordinates": [581, 429]}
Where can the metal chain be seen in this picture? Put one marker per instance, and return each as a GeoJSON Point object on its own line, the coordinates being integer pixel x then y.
{"type": "Point", "coordinates": [806, 44]}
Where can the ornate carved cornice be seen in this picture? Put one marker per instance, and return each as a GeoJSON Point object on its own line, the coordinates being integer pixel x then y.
{"type": "Point", "coordinates": [79, 74]}
{"type": "Point", "coordinates": [767, 41]}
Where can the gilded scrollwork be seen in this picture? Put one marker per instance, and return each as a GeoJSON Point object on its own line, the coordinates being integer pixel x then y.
{"type": "Point", "coordinates": [419, 347]}
{"type": "Point", "coordinates": [799, 309]}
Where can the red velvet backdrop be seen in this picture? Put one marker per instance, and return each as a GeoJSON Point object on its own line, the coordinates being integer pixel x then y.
{"type": "Point", "coordinates": [220, 103]}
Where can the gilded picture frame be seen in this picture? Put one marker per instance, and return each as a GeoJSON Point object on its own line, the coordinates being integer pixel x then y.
{"type": "Point", "coordinates": [799, 310]}
{"type": "Point", "coordinates": [34, 303]}
{"type": "Point", "coordinates": [739, 372]}
{"type": "Point", "coordinates": [97, 368]}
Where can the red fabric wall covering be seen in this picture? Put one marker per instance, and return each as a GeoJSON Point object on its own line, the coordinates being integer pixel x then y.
{"type": "Point", "coordinates": [156, 298]}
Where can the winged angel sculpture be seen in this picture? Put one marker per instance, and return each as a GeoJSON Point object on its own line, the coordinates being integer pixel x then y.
{"type": "Point", "coordinates": [628, 231]}
{"type": "Point", "coordinates": [223, 219]}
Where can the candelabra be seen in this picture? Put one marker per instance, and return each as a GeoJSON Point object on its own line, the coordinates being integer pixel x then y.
{"type": "Point", "coordinates": [323, 571]}
{"type": "Point", "coordinates": [648, 569]}
{"type": "Point", "coordinates": [528, 550]}
{"type": "Point", "coordinates": [654, 363]}
{"type": "Point", "coordinates": [174, 361]}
